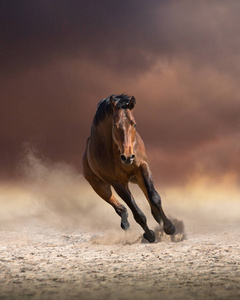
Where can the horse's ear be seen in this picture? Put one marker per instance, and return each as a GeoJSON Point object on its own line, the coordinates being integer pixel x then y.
{"type": "Point", "coordinates": [112, 102]}
{"type": "Point", "coordinates": [132, 102]}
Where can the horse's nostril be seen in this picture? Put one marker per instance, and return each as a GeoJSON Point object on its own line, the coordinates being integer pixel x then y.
{"type": "Point", "coordinates": [127, 159]}
{"type": "Point", "coordinates": [123, 158]}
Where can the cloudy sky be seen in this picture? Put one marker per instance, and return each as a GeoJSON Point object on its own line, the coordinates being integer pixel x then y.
{"type": "Point", "coordinates": [180, 59]}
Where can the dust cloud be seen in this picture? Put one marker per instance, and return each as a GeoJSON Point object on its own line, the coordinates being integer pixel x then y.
{"type": "Point", "coordinates": [53, 194]}
{"type": "Point", "coordinates": [56, 194]}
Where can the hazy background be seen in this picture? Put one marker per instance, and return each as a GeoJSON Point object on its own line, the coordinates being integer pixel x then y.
{"type": "Point", "coordinates": [180, 59]}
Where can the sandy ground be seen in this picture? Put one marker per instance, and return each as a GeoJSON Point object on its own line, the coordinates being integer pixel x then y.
{"type": "Point", "coordinates": [60, 241]}
{"type": "Point", "coordinates": [40, 260]}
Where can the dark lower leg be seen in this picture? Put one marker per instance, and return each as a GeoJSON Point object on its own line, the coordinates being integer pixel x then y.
{"type": "Point", "coordinates": [138, 215]}
{"type": "Point", "coordinates": [146, 184]}
{"type": "Point", "coordinates": [122, 212]}
{"type": "Point", "coordinates": [156, 214]}
{"type": "Point", "coordinates": [169, 228]}
{"type": "Point", "coordinates": [103, 189]}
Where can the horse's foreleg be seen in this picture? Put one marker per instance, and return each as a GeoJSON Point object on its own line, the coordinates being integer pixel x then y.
{"type": "Point", "coordinates": [138, 215]}
{"type": "Point", "coordinates": [145, 181]}
{"type": "Point", "coordinates": [103, 189]}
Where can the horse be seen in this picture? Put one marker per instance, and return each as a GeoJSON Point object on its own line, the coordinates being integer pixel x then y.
{"type": "Point", "coordinates": [114, 156]}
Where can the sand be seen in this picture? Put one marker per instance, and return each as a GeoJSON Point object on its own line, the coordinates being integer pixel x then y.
{"type": "Point", "coordinates": [43, 260]}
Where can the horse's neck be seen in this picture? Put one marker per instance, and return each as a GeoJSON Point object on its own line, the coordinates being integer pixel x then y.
{"type": "Point", "coordinates": [103, 133]}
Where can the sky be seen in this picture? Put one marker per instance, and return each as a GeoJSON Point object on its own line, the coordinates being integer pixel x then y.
{"type": "Point", "coordinates": [179, 59]}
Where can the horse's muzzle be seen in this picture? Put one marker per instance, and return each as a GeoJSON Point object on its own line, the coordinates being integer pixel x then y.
{"type": "Point", "coordinates": [127, 160]}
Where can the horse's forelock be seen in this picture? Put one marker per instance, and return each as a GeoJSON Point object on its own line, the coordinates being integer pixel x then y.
{"type": "Point", "coordinates": [105, 108]}
{"type": "Point", "coordinates": [125, 101]}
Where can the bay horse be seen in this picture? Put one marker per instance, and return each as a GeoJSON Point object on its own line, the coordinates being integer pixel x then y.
{"type": "Point", "coordinates": [114, 156]}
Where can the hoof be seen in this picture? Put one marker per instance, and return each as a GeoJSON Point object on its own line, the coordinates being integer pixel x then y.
{"type": "Point", "coordinates": [150, 237]}
{"type": "Point", "coordinates": [169, 229]}
{"type": "Point", "coordinates": [125, 225]}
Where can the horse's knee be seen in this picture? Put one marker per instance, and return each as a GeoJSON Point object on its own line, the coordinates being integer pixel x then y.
{"type": "Point", "coordinates": [121, 210]}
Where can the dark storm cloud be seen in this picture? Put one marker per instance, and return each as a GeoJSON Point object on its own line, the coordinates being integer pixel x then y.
{"type": "Point", "coordinates": [179, 58]}
{"type": "Point", "coordinates": [125, 34]}
{"type": "Point", "coordinates": [35, 31]}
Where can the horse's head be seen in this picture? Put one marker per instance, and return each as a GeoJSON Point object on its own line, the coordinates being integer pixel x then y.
{"type": "Point", "coordinates": [124, 132]}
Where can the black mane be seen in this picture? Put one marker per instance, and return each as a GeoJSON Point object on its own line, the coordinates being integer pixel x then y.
{"type": "Point", "coordinates": [104, 107]}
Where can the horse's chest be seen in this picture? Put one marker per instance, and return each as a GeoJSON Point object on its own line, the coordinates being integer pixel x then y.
{"type": "Point", "coordinates": [124, 175]}
{"type": "Point", "coordinates": [107, 166]}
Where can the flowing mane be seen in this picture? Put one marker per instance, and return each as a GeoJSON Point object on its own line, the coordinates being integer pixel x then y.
{"type": "Point", "coordinates": [104, 108]}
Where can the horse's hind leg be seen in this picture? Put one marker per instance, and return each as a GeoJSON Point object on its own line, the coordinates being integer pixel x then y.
{"type": "Point", "coordinates": [145, 182]}
{"type": "Point", "coordinates": [103, 189]}
{"type": "Point", "coordinates": [138, 215]}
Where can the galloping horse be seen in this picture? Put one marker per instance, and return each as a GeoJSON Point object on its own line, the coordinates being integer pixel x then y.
{"type": "Point", "coordinates": [114, 156]}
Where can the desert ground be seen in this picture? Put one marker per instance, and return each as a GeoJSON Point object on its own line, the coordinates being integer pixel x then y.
{"type": "Point", "coordinates": [60, 241]}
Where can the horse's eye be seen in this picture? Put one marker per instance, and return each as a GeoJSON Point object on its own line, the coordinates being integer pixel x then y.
{"type": "Point", "coordinates": [134, 125]}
